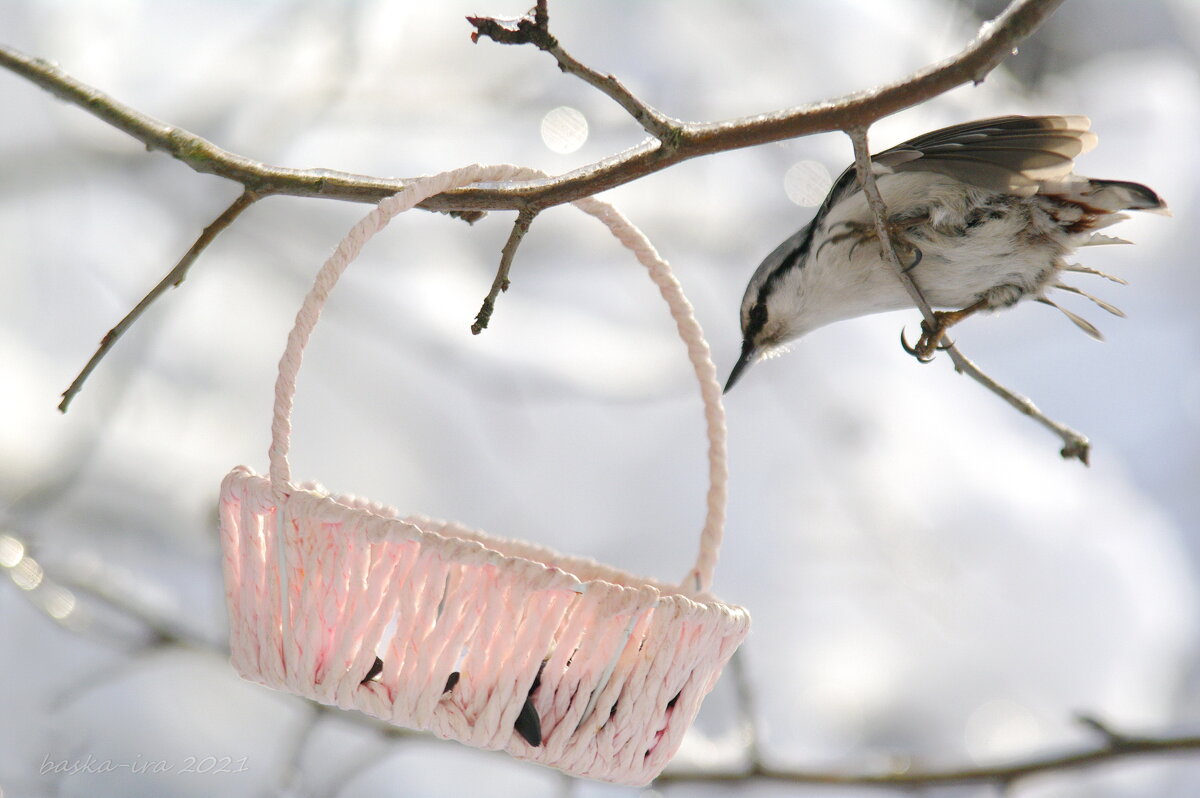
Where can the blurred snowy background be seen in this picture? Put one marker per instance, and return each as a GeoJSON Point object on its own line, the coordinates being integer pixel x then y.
{"type": "Point", "coordinates": [930, 584]}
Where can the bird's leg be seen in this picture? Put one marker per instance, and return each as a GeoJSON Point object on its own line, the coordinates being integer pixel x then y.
{"type": "Point", "coordinates": [931, 335]}
{"type": "Point", "coordinates": [898, 227]}
{"type": "Point", "coordinates": [898, 230]}
{"type": "Point", "coordinates": [859, 230]}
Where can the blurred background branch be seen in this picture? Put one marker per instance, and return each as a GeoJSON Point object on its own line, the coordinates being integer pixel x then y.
{"type": "Point", "coordinates": [50, 594]}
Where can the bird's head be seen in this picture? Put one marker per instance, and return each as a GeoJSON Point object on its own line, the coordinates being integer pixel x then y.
{"type": "Point", "coordinates": [775, 307]}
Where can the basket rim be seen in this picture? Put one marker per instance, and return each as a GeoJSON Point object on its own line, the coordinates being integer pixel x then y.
{"type": "Point", "coordinates": [445, 533]}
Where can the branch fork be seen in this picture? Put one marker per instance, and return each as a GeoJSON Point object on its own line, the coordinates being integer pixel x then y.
{"type": "Point", "coordinates": [673, 141]}
{"type": "Point", "coordinates": [534, 28]}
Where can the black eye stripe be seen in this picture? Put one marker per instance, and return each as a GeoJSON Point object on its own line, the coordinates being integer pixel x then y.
{"type": "Point", "coordinates": [756, 319]}
{"type": "Point", "coordinates": [847, 183]}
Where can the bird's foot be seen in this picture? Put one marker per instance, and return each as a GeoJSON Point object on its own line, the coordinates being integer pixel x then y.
{"type": "Point", "coordinates": [861, 232]}
{"type": "Point", "coordinates": [901, 232]}
{"type": "Point", "coordinates": [931, 341]}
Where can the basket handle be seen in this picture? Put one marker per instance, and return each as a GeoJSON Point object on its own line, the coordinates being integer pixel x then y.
{"type": "Point", "coordinates": [699, 578]}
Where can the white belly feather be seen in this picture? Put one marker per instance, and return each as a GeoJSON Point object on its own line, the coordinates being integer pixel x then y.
{"type": "Point", "coordinates": [960, 263]}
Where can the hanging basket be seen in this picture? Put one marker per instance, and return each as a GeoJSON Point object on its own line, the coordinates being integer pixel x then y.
{"type": "Point", "coordinates": [497, 643]}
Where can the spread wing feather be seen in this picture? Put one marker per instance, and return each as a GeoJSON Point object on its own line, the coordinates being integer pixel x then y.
{"type": "Point", "coordinates": [1006, 153]}
{"type": "Point", "coordinates": [1010, 153]}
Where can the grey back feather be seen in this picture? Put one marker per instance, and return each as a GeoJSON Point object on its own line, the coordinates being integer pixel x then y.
{"type": "Point", "coordinates": [1007, 153]}
{"type": "Point", "coordinates": [1010, 153]}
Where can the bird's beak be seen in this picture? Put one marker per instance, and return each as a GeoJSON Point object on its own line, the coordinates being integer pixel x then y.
{"type": "Point", "coordinates": [749, 355]}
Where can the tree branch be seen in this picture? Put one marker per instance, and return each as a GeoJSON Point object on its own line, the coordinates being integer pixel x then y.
{"type": "Point", "coordinates": [174, 277]}
{"type": "Point", "coordinates": [501, 283]}
{"type": "Point", "coordinates": [996, 41]}
{"type": "Point", "coordinates": [1001, 775]}
{"type": "Point", "coordinates": [534, 28]}
{"type": "Point", "coordinates": [675, 142]}
{"type": "Point", "coordinates": [1075, 444]}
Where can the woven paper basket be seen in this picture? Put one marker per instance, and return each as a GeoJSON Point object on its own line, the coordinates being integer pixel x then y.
{"type": "Point", "coordinates": [432, 626]}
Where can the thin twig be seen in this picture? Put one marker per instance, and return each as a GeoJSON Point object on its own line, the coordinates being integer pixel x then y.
{"type": "Point", "coordinates": [996, 41]}
{"type": "Point", "coordinates": [866, 178]}
{"type": "Point", "coordinates": [1112, 738]}
{"type": "Point", "coordinates": [290, 770]}
{"type": "Point", "coordinates": [520, 228]}
{"type": "Point", "coordinates": [174, 277]}
{"type": "Point", "coordinates": [987, 774]}
{"type": "Point", "coordinates": [1075, 444]}
{"type": "Point", "coordinates": [534, 28]}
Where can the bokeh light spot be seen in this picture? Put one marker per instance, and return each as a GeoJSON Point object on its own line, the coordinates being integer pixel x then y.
{"type": "Point", "coordinates": [1001, 728]}
{"type": "Point", "coordinates": [564, 129]}
{"type": "Point", "coordinates": [806, 183]}
{"type": "Point", "coordinates": [58, 602]}
{"type": "Point", "coordinates": [27, 574]}
{"type": "Point", "coordinates": [12, 551]}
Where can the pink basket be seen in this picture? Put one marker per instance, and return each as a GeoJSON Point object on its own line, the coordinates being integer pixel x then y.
{"type": "Point", "coordinates": [497, 643]}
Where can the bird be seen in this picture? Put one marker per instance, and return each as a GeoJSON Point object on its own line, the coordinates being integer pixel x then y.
{"type": "Point", "coordinates": [981, 214]}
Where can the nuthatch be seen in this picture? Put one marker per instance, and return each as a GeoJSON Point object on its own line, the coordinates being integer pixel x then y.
{"type": "Point", "coordinates": [982, 215]}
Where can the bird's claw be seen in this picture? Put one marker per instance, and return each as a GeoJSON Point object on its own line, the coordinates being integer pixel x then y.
{"type": "Point", "coordinates": [917, 256]}
{"type": "Point", "coordinates": [860, 232]}
{"type": "Point", "coordinates": [930, 342]}
{"type": "Point", "coordinates": [923, 352]}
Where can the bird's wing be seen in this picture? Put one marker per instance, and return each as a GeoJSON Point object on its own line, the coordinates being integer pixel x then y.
{"type": "Point", "coordinates": [1008, 153]}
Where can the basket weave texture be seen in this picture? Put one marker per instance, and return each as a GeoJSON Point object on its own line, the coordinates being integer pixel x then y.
{"type": "Point", "coordinates": [429, 625]}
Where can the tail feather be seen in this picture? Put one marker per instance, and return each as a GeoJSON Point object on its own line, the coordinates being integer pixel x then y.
{"type": "Point", "coordinates": [1078, 320]}
{"type": "Point", "coordinates": [1077, 267]}
{"type": "Point", "coordinates": [1100, 303]}
{"type": "Point", "coordinates": [1108, 195]}
{"type": "Point", "coordinates": [1127, 196]}
{"type": "Point", "coordinates": [1097, 239]}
